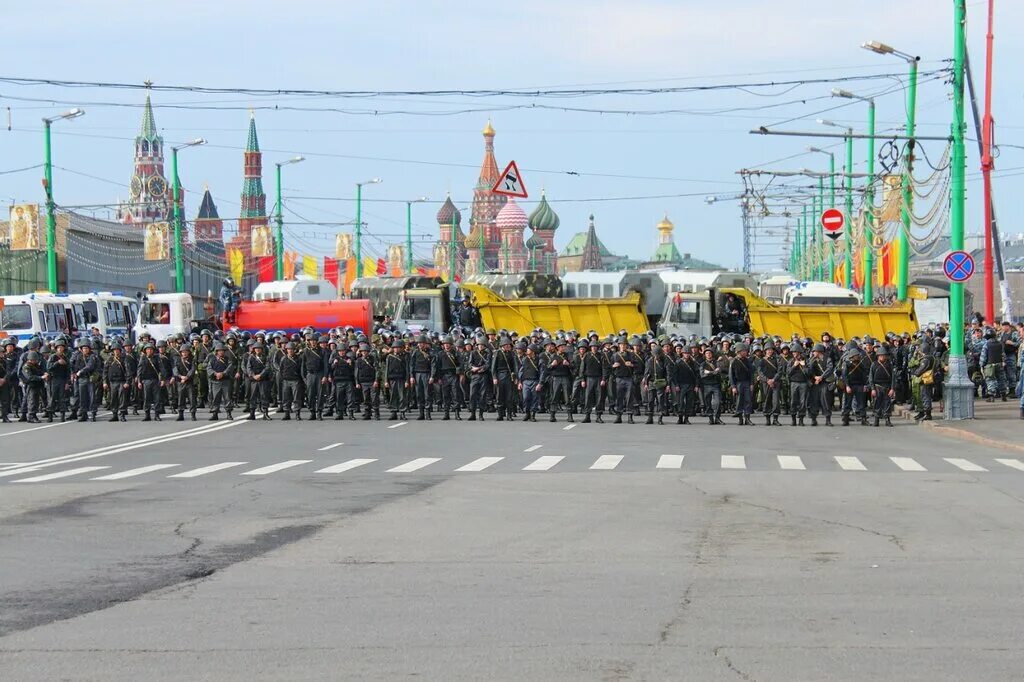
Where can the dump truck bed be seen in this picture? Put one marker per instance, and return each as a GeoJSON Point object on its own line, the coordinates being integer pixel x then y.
{"type": "Point", "coordinates": [603, 315]}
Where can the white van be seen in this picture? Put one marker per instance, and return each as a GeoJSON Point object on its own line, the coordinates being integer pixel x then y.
{"type": "Point", "coordinates": [42, 314]}
{"type": "Point", "coordinates": [163, 315]}
{"type": "Point", "coordinates": [112, 313]}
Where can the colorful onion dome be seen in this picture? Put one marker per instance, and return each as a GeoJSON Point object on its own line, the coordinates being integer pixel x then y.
{"type": "Point", "coordinates": [476, 238]}
{"type": "Point", "coordinates": [511, 217]}
{"type": "Point", "coordinates": [544, 217]}
{"type": "Point", "coordinates": [665, 225]}
{"type": "Point", "coordinates": [447, 212]}
{"type": "Point", "coordinates": [535, 242]}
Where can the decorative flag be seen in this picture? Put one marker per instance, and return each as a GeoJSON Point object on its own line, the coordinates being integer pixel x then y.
{"type": "Point", "coordinates": [858, 269]}
{"type": "Point", "coordinates": [396, 259]}
{"type": "Point", "coordinates": [382, 267]}
{"type": "Point", "coordinates": [369, 267]}
{"type": "Point", "coordinates": [331, 270]}
{"type": "Point", "coordinates": [261, 243]}
{"type": "Point", "coordinates": [343, 246]}
{"type": "Point", "coordinates": [309, 266]}
{"type": "Point", "coordinates": [267, 269]}
{"type": "Point", "coordinates": [236, 263]}
{"type": "Point", "coordinates": [156, 245]}
{"type": "Point", "coordinates": [25, 227]}
{"type": "Point", "coordinates": [289, 264]}
{"type": "Point", "coordinates": [892, 199]}
{"type": "Point", "coordinates": [350, 274]}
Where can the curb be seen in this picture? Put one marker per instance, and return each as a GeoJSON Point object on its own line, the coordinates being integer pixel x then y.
{"type": "Point", "coordinates": [961, 434]}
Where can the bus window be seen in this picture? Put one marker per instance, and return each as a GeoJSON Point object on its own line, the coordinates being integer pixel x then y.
{"type": "Point", "coordinates": [15, 317]}
{"type": "Point", "coordinates": [79, 316]}
{"type": "Point", "coordinates": [92, 315]}
{"type": "Point", "coordinates": [608, 291]}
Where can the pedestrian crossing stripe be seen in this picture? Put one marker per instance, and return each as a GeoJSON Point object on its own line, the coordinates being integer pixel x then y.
{"type": "Point", "coordinates": [480, 464]}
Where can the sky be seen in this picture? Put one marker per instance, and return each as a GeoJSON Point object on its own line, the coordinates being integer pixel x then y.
{"type": "Point", "coordinates": [628, 159]}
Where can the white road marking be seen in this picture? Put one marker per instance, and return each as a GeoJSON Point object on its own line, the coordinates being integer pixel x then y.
{"type": "Point", "coordinates": [46, 426]}
{"type": "Point", "coordinates": [480, 464]}
{"type": "Point", "coordinates": [395, 426]}
{"type": "Point", "coordinates": [533, 448]}
{"type": "Point", "coordinates": [734, 462]}
{"type": "Point", "coordinates": [414, 465]}
{"type": "Point", "coordinates": [192, 473]}
{"type": "Point", "coordinates": [569, 427]}
{"type": "Point", "coordinates": [791, 462]}
{"type": "Point", "coordinates": [543, 463]}
{"type": "Point", "coordinates": [850, 463]}
{"type": "Point", "coordinates": [606, 462]}
{"type": "Point", "coordinates": [1012, 463]}
{"type": "Point", "coordinates": [121, 447]}
{"type": "Point", "coordinates": [263, 471]}
{"type": "Point", "coordinates": [59, 474]}
{"type": "Point", "coordinates": [134, 472]}
{"type": "Point", "coordinates": [907, 464]}
{"type": "Point", "coordinates": [345, 466]}
{"type": "Point", "coordinates": [670, 462]}
{"type": "Point", "coordinates": [964, 464]}
{"type": "Point", "coordinates": [329, 447]}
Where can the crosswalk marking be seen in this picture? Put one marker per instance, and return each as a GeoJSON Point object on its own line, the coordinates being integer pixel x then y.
{"type": "Point", "coordinates": [850, 463]}
{"type": "Point", "coordinates": [533, 448]}
{"type": "Point", "coordinates": [964, 464]}
{"type": "Point", "coordinates": [907, 464]}
{"type": "Point", "coordinates": [134, 472]}
{"type": "Point", "coordinates": [59, 474]}
{"type": "Point", "coordinates": [791, 462]}
{"type": "Point", "coordinates": [734, 462]}
{"type": "Point", "coordinates": [329, 447]}
{"type": "Point", "coordinates": [395, 426]}
{"type": "Point", "coordinates": [670, 462]}
{"type": "Point", "coordinates": [543, 463]}
{"type": "Point", "coordinates": [263, 471]}
{"type": "Point", "coordinates": [1012, 463]}
{"type": "Point", "coordinates": [201, 471]}
{"type": "Point", "coordinates": [569, 427]}
{"type": "Point", "coordinates": [414, 465]}
{"type": "Point", "coordinates": [606, 462]}
{"type": "Point", "coordinates": [345, 466]}
{"type": "Point", "coordinates": [480, 464]}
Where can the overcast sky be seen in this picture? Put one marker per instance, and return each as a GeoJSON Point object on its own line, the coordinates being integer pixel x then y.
{"type": "Point", "coordinates": [588, 162]}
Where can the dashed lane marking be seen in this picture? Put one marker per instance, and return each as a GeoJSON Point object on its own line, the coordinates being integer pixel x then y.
{"type": "Point", "coordinates": [533, 448]}
{"type": "Point", "coordinates": [345, 466]}
{"type": "Point", "coordinates": [263, 471]}
{"type": "Point", "coordinates": [329, 447]}
{"type": "Point", "coordinates": [414, 465]}
{"type": "Point", "coordinates": [850, 463]}
{"type": "Point", "coordinates": [907, 464]}
{"type": "Point", "coordinates": [134, 472]}
{"type": "Point", "coordinates": [395, 426]}
{"type": "Point", "coordinates": [1012, 463]}
{"type": "Point", "coordinates": [59, 474]}
{"type": "Point", "coordinates": [543, 463]}
{"type": "Point", "coordinates": [670, 462]}
{"type": "Point", "coordinates": [480, 464]}
{"type": "Point", "coordinates": [606, 462]}
{"type": "Point", "coordinates": [964, 464]}
{"type": "Point", "coordinates": [791, 462]}
{"type": "Point", "coordinates": [202, 471]}
{"type": "Point", "coordinates": [734, 462]}
{"type": "Point", "coordinates": [569, 427]}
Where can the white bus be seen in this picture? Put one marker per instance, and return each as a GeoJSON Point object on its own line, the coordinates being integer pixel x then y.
{"type": "Point", "coordinates": [111, 313]}
{"type": "Point", "coordinates": [44, 315]}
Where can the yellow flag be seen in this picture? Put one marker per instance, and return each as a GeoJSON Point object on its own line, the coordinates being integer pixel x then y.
{"type": "Point", "coordinates": [369, 267]}
{"type": "Point", "coordinates": [309, 266]}
{"type": "Point", "coordinates": [237, 265]}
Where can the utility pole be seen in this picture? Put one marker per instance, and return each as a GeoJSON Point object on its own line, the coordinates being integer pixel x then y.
{"type": "Point", "coordinates": [359, 223]}
{"type": "Point", "coordinates": [959, 389]}
{"type": "Point", "coordinates": [51, 217]}
{"type": "Point", "coordinates": [279, 250]}
{"type": "Point", "coordinates": [408, 232]}
{"type": "Point", "coordinates": [179, 264]}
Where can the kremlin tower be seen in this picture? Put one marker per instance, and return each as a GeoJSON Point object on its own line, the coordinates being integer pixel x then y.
{"type": "Point", "coordinates": [208, 225]}
{"type": "Point", "coordinates": [541, 246]}
{"type": "Point", "coordinates": [511, 223]}
{"type": "Point", "coordinates": [254, 200]}
{"type": "Point", "coordinates": [149, 189]}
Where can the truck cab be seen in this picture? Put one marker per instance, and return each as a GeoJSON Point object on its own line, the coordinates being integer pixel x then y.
{"type": "Point", "coordinates": [423, 310]}
{"type": "Point", "coordinates": [163, 315]}
{"type": "Point", "coordinates": [703, 314]}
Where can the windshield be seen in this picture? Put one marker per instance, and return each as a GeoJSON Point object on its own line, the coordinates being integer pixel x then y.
{"type": "Point", "coordinates": [15, 317]}
{"type": "Point", "coordinates": [417, 309]}
{"type": "Point", "coordinates": [156, 313]}
{"type": "Point", "coordinates": [686, 312]}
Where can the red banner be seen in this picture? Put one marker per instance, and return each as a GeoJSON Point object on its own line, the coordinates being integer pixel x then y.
{"type": "Point", "coordinates": [331, 270]}
{"type": "Point", "coordinates": [266, 269]}
{"type": "Point", "coordinates": [382, 267]}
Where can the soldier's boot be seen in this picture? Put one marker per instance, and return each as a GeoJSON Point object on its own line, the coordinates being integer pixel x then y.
{"type": "Point", "coordinates": [481, 414]}
{"type": "Point", "coordinates": [228, 413]}
{"type": "Point", "coordinates": [429, 417]}
{"type": "Point", "coordinates": [846, 420]}
{"type": "Point", "coordinates": [32, 419]}
{"type": "Point", "coordinates": [927, 416]}
{"type": "Point", "coordinates": [447, 416]}
{"type": "Point", "coordinates": [193, 416]}
{"type": "Point", "coordinates": [767, 420]}
{"type": "Point", "coordinates": [181, 416]}
{"type": "Point", "coordinates": [630, 417]}
{"type": "Point", "coordinates": [680, 419]}
{"type": "Point", "coordinates": [266, 415]}
{"type": "Point", "coordinates": [888, 421]}
{"type": "Point", "coordinates": [422, 416]}
{"type": "Point", "coordinates": [252, 416]}
{"type": "Point", "coordinates": [376, 414]}
{"type": "Point", "coordinates": [814, 420]}
{"type": "Point", "coordinates": [368, 415]}
{"type": "Point", "coordinates": [775, 420]}
{"type": "Point", "coordinates": [458, 417]}
{"type": "Point", "coordinates": [661, 420]}
{"type": "Point", "coordinates": [147, 418]}
{"type": "Point", "coordinates": [339, 416]}
{"type": "Point", "coordinates": [472, 416]}
{"type": "Point", "coordinates": [686, 419]}
{"type": "Point", "coordinates": [800, 421]}
{"type": "Point", "coordinates": [23, 418]}
{"type": "Point", "coordinates": [711, 420]}
{"type": "Point", "coordinates": [156, 416]}
{"type": "Point", "coordinates": [875, 421]}
{"type": "Point", "coordinates": [287, 416]}
{"type": "Point", "coordinates": [864, 420]}
{"type": "Point", "coordinates": [919, 416]}
{"type": "Point", "coordinates": [828, 420]}
{"type": "Point", "coordinates": [49, 417]}
{"type": "Point", "coordinates": [571, 420]}
{"type": "Point", "coordinates": [533, 416]}
{"type": "Point", "coordinates": [391, 417]}
{"type": "Point", "coordinates": [4, 419]}
{"type": "Point", "coordinates": [526, 415]}
{"type": "Point", "coordinates": [63, 418]}
{"type": "Point", "coordinates": [792, 419]}
{"type": "Point", "coordinates": [598, 419]}
{"type": "Point", "coordinates": [650, 419]}
{"type": "Point", "coordinates": [618, 418]}
{"type": "Point", "coordinates": [1021, 413]}
{"type": "Point", "coordinates": [501, 416]}
{"type": "Point", "coordinates": [114, 418]}
{"type": "Point", "coordinates": [586, 417]}
{"type": "Point", "coordinates": [552, 419]}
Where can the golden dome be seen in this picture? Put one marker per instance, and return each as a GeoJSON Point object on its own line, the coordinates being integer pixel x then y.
{"type": "Point", "coordinates": [489, 129]}
{"type": "Point", "coordinates": [666, 225]}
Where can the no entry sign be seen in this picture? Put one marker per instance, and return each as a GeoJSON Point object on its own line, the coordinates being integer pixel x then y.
{"type": "Point", "coordinates": [832, 220]}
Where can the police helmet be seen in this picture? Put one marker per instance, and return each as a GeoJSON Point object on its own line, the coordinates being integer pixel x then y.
{"type": "Point", "coordinates": [290, 345]}
{"type": "Point", "coordinates": [819, 348]}
{"type": "Point", "coordinates": [33, 356]}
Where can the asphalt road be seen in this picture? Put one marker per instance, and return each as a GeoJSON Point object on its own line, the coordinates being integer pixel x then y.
{"type": "Point", "coordinates": [251, 550]}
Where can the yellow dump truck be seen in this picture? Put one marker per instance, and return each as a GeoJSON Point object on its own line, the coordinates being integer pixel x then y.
{"type": "Point", "coordinates": [705, 313]}
{"type": "Point", "coordinates": [430, 310]}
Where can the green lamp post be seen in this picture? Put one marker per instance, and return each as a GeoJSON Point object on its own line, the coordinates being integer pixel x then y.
{"type": "Point", "coordinates": [51, 217]}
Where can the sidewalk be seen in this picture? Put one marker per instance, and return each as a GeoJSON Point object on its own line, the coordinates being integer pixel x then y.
{"type": "Point", "coordinates": [995, 424]}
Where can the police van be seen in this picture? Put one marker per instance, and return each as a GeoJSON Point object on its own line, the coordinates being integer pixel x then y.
{"type": "Point", "coordinates": [112, 313]}
{"type": "Point", "coordinates": [45, 315]}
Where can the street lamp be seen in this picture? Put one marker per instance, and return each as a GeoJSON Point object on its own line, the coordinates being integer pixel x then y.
{"type": "Point", "coordinates": [279, 250]}
{"type": "Point", "coordinates": [51, 218]}
{"type": "Point", "coordinates": [179, 267]}
{"type": "Point", "coordinates": [832, 199]}
{"type": "Point", "coordinates": [903, 267]}
{"type": "Point", "coordinates": [359, 223]}
{"type": "Point", "coordinates": [408, 232]}
{"type": "Point", "coordinates": [869, 195]}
